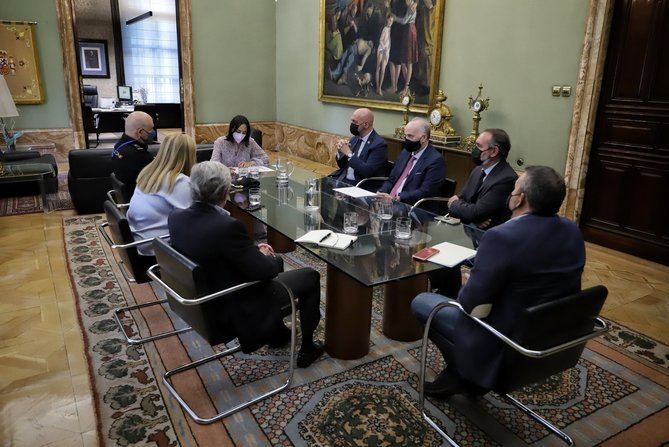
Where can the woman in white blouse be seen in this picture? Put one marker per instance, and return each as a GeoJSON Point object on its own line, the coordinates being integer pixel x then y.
{"type": "Point", "coordinates": [162, 186]}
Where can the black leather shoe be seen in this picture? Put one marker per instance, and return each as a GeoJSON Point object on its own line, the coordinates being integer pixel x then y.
{"type": "Point", "coordinates": [306, 358]}
{"type": "Point", "coordinates": [445, 384]}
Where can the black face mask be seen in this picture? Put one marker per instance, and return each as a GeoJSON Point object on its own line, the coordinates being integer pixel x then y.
{"type": "Point", "coordinates": [354, 129]}
{"type": "Point", "coordinates": [476, 156]}
{"type": "Point", "coordinates": [411, 146]}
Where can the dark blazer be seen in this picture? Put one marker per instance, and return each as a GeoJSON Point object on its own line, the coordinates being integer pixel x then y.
{"type": "Point", "coordinates": [490, 202]}
{"type": "Point", "coordinates": [222, 247]}
{"type": "Point", "coordinates": [129, 157]}
{"type": "Point", "coordinates": [521, 263]}
{"type": "Point", "coordinates": [424, 180]}
{"type": "Point", "coordinates": [370, 163]}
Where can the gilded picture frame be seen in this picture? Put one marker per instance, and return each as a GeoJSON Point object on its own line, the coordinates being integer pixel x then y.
{"type": "Point", "coordinates": [357, 37]}
{"type": "Point", "coordinates": [19, 62]}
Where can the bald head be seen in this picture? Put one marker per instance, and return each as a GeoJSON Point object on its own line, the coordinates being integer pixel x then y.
{"type": "Point", "coordinates": [364, 119]}
{"type": "Point", "coordinates": [418, 129]}
{"type": "Point", "coordinates": [138, 125]}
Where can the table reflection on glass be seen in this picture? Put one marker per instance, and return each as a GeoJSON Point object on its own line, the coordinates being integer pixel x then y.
{"type": "Point", "coordinates": [376, 258]}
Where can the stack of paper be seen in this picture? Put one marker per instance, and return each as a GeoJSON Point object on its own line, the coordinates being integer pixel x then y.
{"type": "Point", "coordinates": [451, 255]}
{"type": "Point", "coordinates": [355, 192]}
{"type": "Point", "coordinates": [328, 239]}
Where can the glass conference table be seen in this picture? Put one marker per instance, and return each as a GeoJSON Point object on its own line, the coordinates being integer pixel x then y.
{"type": "Point", "coordinates": [376, 258]}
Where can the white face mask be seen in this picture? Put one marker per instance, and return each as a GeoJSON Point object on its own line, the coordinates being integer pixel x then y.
{"type": "Point", "coordinates": [238, 137]}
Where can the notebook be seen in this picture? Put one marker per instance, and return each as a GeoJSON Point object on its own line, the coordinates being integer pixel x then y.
{"type": "Point", "coordinates": [328, 239]}
{"type": "Point", "coordinates": [451, 255]}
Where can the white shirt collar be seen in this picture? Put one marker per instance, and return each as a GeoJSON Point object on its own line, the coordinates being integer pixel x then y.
{"type": "Point", "coordinates": [419, 153]}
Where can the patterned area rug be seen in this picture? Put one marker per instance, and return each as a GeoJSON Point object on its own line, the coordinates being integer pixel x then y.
{"type": "Point", "coordinates": [618, 394]}
{"type": "Point", "coordinates": [57, 201]}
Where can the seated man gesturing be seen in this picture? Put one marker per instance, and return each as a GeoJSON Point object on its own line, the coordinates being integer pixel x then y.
{"type": "Point", "coordinates": [209, 236]}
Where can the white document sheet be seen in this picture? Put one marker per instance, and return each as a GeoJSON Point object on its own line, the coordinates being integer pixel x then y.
{"type": "Point", "coordinates": [355, 192]}
{"type": "Point", "coordinates": [451, 255]}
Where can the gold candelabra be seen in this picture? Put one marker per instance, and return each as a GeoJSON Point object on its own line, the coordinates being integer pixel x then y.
{"type": "Point", "coordinates": [478, 105]}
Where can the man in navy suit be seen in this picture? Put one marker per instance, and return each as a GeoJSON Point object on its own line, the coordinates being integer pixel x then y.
{"type": "Point", "coordinates": [535, 257]}
{"type": "Point", "coordinates": [365, 155]}
{"type": "Point", "coordinates": [420, 169]}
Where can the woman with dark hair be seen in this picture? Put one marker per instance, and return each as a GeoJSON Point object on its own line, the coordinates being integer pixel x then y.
{"type": "Point", "coordinates": [237, 148]}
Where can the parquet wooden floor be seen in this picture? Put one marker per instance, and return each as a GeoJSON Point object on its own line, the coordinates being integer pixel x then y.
{"type": "Point", "coordinates": [45, 394]}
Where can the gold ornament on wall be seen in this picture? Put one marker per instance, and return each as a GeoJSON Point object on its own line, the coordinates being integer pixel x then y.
{"type": "Point", "coordinates": [440, 117]}
{"type": "Point", "coordinates": [478, 105]}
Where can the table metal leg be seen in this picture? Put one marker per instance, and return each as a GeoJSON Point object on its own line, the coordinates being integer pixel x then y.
{"type": "Point", "coordinates": [399, 323]}
{"type": "Point", "coordinates": [348, 316]}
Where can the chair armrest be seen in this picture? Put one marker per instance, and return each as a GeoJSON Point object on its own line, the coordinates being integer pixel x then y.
{"type": "Point", "coordinates": [20, 155]}
{"type": "Point", "coordinates": [151, 272]}
{"type": "Point", "coordinates": [428, 199]}
{"type": "Point", "coordinates": [600, 328]}
{"type": "Point", "coordinates": [370, 179]}
{"type": "Point", "coordinates": [111, 195]}
{"type": "Point", "coordinates": [114, 246]}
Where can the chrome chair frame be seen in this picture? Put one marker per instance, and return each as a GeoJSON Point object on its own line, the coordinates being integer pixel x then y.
{"type": "Point", "coordinates": [428, 199]}
{"type": "Point", "coordinates": [370, 178]}
{"type": "Point", "coordinates": [111, 195]}
{"type": "Point", "coordinates": [601, 328]}
{"type": "Point", "coordinates": [197, 301]}
{"type": "Point", "coordinates": [130, 279]}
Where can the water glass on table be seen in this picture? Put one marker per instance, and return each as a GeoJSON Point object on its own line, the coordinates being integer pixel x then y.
{"type": "Point", "coordinates": [403, 228]}
{"type": "Point", "coordinates": [385, 206]}
{"type": "Point", "coordinates": [312, 196]}
{"type": "Point", "coordinates": [351, 222]}
{"type": "Point", "coordinates": [254, 172]}
{"type": "Point", "coordinates": [254, 196]}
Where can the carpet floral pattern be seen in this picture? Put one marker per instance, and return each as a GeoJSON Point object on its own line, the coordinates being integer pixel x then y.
{"type": "Point", "coordinates": [57, 201]}
{"type": "Point", "coordinates": [370, 401]}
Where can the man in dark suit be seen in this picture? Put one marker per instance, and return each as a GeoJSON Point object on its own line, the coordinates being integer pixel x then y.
{"type": "Point", "coordinates": [206, 234]}
{"type": "Point", "coordinates": [420, 169]}
{"type": "Point", "coordinates": [363, 156]}
{"type": "Point", "coordinates": [131, 152]}
{"type": "Point", "coordinates": [535, 257]}
{"type": "Point", "coordinates": [482, 201]}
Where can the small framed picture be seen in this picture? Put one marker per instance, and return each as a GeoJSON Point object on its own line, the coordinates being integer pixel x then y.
{"type": "Point", "coordinates": [93, 58]}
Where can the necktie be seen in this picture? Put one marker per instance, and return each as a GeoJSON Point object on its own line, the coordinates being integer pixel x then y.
{"type": "Point", "coordinates": [403, 177]}
{"type": "Point", "coordinates": [354, 151]}
{"type": "Point", "coordinates": [479, 186]}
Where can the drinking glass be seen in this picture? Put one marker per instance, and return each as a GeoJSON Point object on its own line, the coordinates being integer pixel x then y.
{"type": "Point", "coordinates": [403, 228]}
{"type": "Point", "coordinates": [312, 196]}
{"type": "Point", "coordinates": [242, 172]}
{"type": "Point", "coordinates": [254, 172]}
{"type": "Point", "coordinates": [351, 222]}
{"type": "Point", "coordinates": [254, 196]}
{"type": "Point", "coordinates": [385, 208]}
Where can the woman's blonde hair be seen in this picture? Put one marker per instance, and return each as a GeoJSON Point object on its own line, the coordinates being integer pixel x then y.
{"type": "Point", "coordinates": [175, 156]}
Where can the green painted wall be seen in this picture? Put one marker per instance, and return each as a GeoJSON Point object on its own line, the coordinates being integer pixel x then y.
{"type": "Point", "coordinates": [234, 59]}
{"type": "Point", "coordinates": [518, 49]}
{"type": "Point", "coordinates": [53, 112]}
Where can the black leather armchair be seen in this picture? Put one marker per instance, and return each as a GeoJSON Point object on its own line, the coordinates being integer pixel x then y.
{"type": "Point", "coordinates": [188, 297]}
{"type": "Point", "coordinates": [90, 95]}
{"type": "Point", "coordinates": [89, 177]}
{"type": "Point", "coordinates": [547, 339]}
{"type": "Point", "coordinates": [21, 157]}
{"type": "Point", "coordinates": [91, 125]}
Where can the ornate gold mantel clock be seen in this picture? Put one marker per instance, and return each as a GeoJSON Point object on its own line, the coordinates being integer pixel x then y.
{"type": "Point", "coordinates": [478, 105]}
{"type": "Point", "coordinates": [440, 120]}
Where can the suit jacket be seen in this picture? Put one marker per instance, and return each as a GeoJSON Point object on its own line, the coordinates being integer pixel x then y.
{"type": "Point", "coordinates": [222, 247]}
{"type": "Point", "coordinates": [129, 157]}
{"type": "Point", "coordinates": [424, 180]}
{"type": "Point", "coordinates": [490, 202]}
{"type": "Point", "coordinates": [371, 161]}
{"type": "Point", "coordinates": [521, 263]}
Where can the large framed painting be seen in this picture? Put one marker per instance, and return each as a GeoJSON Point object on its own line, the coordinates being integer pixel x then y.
{"type": "Point", "coordinates": [93, 58]}
{"type": "Point", "coordinates": [373, 52]}
{"type": "Point", "coordinates": [19, 62]}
